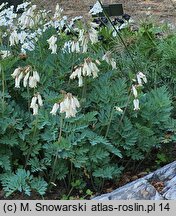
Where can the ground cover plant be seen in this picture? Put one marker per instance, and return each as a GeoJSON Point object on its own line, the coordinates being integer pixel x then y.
{"type": "Point", "coordinates": [81, 101]}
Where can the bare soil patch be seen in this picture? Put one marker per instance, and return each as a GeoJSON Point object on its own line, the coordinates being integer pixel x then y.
{"type": "Point", "coordinates": [162, 10]}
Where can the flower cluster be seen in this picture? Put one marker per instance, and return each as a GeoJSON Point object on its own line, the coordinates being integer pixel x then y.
{"type": "Point", "coordinates": [24, 73]}
{"type": "Point", "coordinates": [81, 45]}
{"type": "Point", "coordinates": [89, 68]}
{"type": "Point", "coordinates": [36, 103]}
{"type": "Point", "coordinates": [111, 61]}
{"type": "Point", "coordinates": [68, 106]}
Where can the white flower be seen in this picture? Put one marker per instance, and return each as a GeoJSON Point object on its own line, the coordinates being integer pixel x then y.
{"type": "Point", "coordinates": [136, 104]}
{"type": "Point", "coordinates": [18, 80]}
{"type": "Point", "coordinates": [83, 40]}
{"type": "Point", "coordinates": [119, 109]}
{"type": "Point", "coordinates": [55, 108]}
{"type": "Point", "coordinates": [4, 54]}
{"type": "Point", "coordinates": [18, 76]}
{"type": "Point", "coordinates": [36, 76]}
{"type": "Point", "coordinates": [23, 5]}
{"type": "Point", "coordinates": [89, 68]}
{"type": "Point", "coordinates": [32, 82]}
{"type": "Point", "coordinates": [40, 101]}
{"type": "Point", "coordinates": [16, 72]}
{"type": "Point", "coordinates": [2, 5]}
{"type": "Point", "coordinates": [25, 80]}
{"type": "Point", "coordinates": [58, 12]}
{"type": "Point", "coordinates": [109, 60]}
{"type": "Point", "coordinates": [94, 69]}
{"type": "Point", "coordinates": [141, 78]}
{"type": "Point", "coordinates": [134, 90]}
{"type": "Point", "coordinates": [13, 38]}
{"type": "Point", "coordinates": [80, 81]}
{"type": "Point", "coordinates": [86, 69]}
{"type": "Point", "coordinates": [113, 64]}
{"type": "Point", "coordinates": [68, 106]}
{"type": "Point", "coordinates": [35, 109]}
{"type": "Point", "coordinates": [77, 48]}
{"type": "Point", "coordinates": [33, 102]}
{"type": "Point", "coordinates": [96, 9]}
{"type": "Point", "coordinates": [52, 44]}
{"type": "Point", "coordinates": [93, 35]}
{"type": "Point", "coordinates": [22, 36]}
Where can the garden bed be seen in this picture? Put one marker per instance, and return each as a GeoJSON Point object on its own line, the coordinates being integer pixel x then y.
{"type": "Point", "coordinates": [85, 106]}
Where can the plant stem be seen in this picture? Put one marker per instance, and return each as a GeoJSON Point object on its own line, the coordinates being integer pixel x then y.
{"type": "Point", "coordinates": [110, 121]}
{"type": "Point", "coordinates": [3, 88]}
{"type": "Point", "coordinates": [56, 156]}
{"type": "Point", "coordinates": [31, 144]}
{"type": "Point", "coordinates": [120, 37]}
{"type": "Point", "coordinates": [70, 176]}
{"type": "Point", "coordinates": [124, 112]}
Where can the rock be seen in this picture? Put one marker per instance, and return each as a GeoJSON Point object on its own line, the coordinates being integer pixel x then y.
{"type": "Point", "coordinates": [170, 194]}
{"type": "Point", "coordinates": [142, 189]}
{"type": "Point", "coordinates": [138, 190]}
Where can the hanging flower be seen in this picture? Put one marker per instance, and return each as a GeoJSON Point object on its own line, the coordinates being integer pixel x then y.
{"type": "Point", "coordinates": [52, 44]}
{"type": "Point", "coordinates": [69, 106]}
{"type": "Point", "coordinates": [26, 72]}
{"type": "Point", "coordinates": [16, 72]}
{"type": "Point", "coordinates": [136, 104]}
{"type": "Point", "coordinates": [40, 101]}
{"type": "Point", "coordinates": [111, 61]}
{"type": "Point", "coordinates": [75, 47]}
{"type": "Point", "coordinates": [33, 80]}
{"type": "Point", "coordinates": [141, 78]}
{"type": "Point", "coordinates": [93, 35]}
{"type": "Point", "coordinates": [18, 80]}
{"type": "Point", "coordinates": [89, 68]}
{"type": "Point", "coordinates": [83, 39]}
{"type": "Point", "coordinates": [20, 73]}
{"type": "Point", "coordinates": [36, 102]}
{"type": "Point", "coordinates": [55, 108]}
{"type": "Point", "coordinates": [134, 90]}
{"type": "Point", "coordinates": [77, 73]}
{"type": "Point", "coordinates": [13, 38]}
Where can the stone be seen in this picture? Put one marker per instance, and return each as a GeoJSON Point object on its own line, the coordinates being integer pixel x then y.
{"type": "Point", "coordinates": [170, 194]}
{"type": "Point", "coordinates": [139, 190]}
{"type": "Point", "coordinates": [142, 189]}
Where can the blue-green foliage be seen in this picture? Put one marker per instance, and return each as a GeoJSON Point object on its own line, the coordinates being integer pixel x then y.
{"type": "Point", "coordinates": [95, 144]}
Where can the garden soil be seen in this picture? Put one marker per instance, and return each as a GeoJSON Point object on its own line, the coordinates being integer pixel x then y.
{"type": "Point", "coordinates": [160, 10]}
